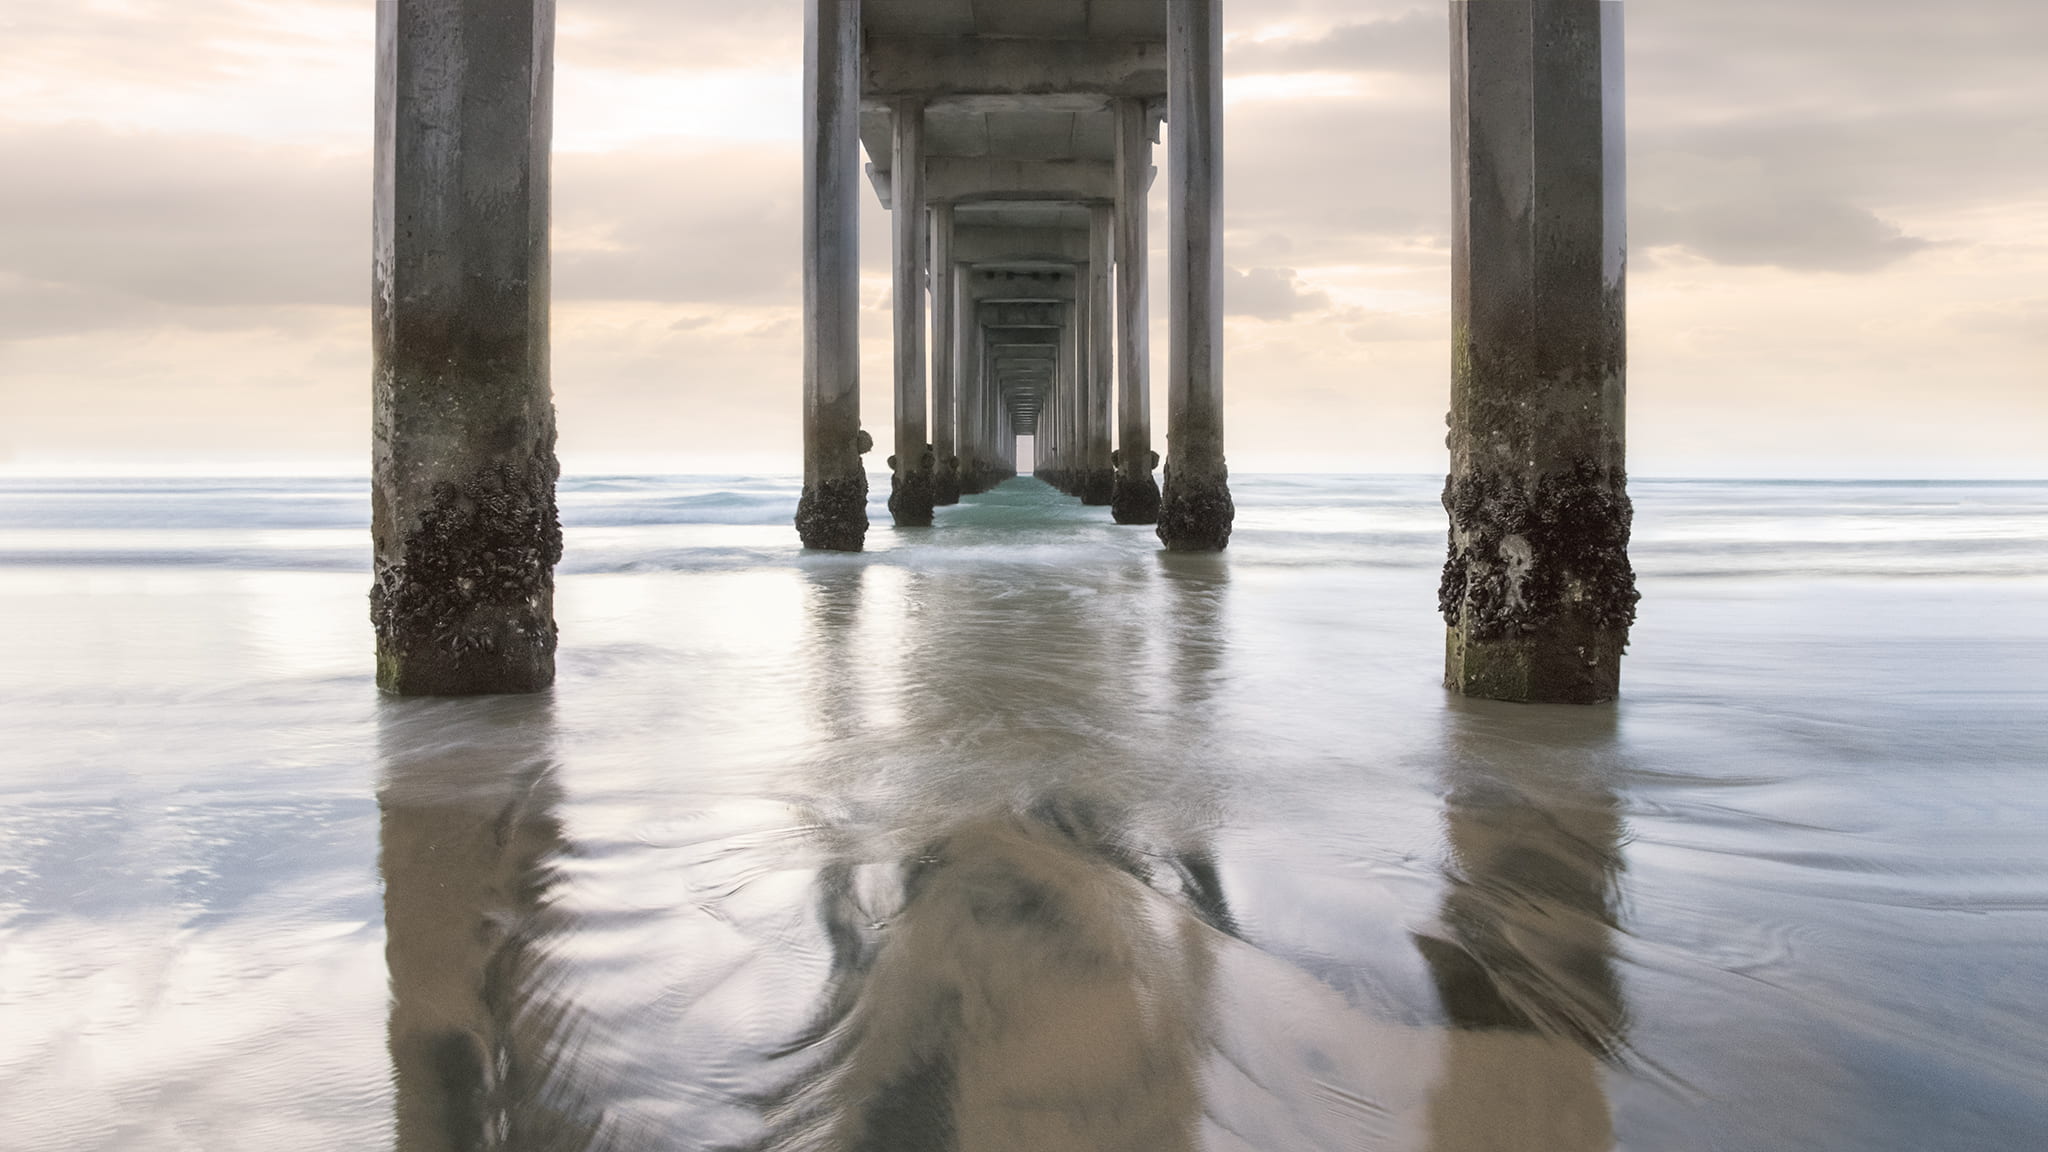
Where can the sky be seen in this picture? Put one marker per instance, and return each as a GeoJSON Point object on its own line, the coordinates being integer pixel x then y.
{"type": "Point", "coordinates": [1838, 225]}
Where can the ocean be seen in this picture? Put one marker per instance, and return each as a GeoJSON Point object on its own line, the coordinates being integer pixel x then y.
{"type": "Point", "coordinates": [1020, 833]}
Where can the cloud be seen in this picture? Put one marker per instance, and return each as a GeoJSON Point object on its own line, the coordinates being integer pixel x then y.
{"type": "Point", "coordinates": [103, 229]}
{"type": "Point", "coordinates": [674, 35]}
{"type": "Point", "coordinates": [1269, 294]}
{"type": "Point", "coordinates": [1748, 145]}
{"type": "Point", "coordinates": [1339, 181]}
{"type": "Point", "coordinates": [717, 226]}
{"type": "Point", "coordinates": [1413, 42]}
{"type": "Point", "coordinates": [1799, 235]}
{"type": "Point", "coordinates": [2025, 320]}
{"type": "Point", "coordinates": [187, 194]}
{"type": "Point", "coordinates": [1375, 326]}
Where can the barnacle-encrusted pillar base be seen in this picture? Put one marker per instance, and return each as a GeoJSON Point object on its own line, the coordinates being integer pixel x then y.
{"type": "Point", "coordinates": [1537, 591]}
{"type": "Point", "coordinates": [463, 601]}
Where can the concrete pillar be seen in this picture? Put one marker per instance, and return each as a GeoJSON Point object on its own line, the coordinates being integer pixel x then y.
{"type": "Point", "coordinates": [1537, 591]}
{"type": "Point", "coordinates": [833, 511]}
{"type": "Point", "coordinates": [945, 359]}
{"type": "Point", "coordinates": [1042, 448]}
{"type": "Point", "coordinates": [463, 424]}
{"type": "Point", "coordinates": [911, 467]}
{"type": "Point", "coordinates": [1077, 425]}
{"type": "Point", "coordinates": [1135, 496]}
{"type": "Point", "coordinates": [1098, 480]}
{"type": "Point", "coordinates": [1007, 437]}
{"type": "Point", "coordinates": [1195, 510]}
{"type": "Point", "coordinates": [975, 439]}
{"type": "Point", "coordinates": [1006, 441]}
{"type": "Point", "coordinates": [1077, 390]}
{"type": "Point", "coordinates": [1065, 388]}
{"type": "Point", "coordinates": [1004, 420]}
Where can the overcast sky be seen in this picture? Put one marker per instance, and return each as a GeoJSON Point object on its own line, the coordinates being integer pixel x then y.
{"type": "Point", "coordinates": [1838, 214]}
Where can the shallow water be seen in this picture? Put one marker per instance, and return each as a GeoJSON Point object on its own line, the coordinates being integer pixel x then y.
{"type": "Point", "coordinates": [1019, 833]}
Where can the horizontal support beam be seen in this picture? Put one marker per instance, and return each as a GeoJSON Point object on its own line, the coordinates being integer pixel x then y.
{"type": "Point", "coordinates": [976, 179]}
{"type": "Point", "coordinates": [1000, 314]}
{"type": "Point", "coordinates": [989, 246]}
{"type": "Point", "coordinates": [939, 67]}
{"type": "Point", "coordinates": [967, 179]}
{"type": "Point", "coordinates": [1050, 287]}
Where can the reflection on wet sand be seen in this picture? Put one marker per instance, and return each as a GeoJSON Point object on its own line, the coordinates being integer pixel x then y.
{"type": "Point", "coordinates": [479, 1042]}
{"type": "Point", "coordinates": [1031, 990]}
{"type": "Point", "coordinates": [1523, 956]}
{"type": "Point", "coordinates": [1019, 928]}
{"type": "Point", "coordinates": [1030, 968]}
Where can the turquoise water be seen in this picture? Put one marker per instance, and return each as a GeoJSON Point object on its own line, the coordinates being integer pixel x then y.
{"type": "Point", "coordinates": [1019, 833]}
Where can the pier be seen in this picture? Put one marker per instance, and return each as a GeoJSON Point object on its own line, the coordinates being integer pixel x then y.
{"type": "Point", "coordinates": [1013, 146]}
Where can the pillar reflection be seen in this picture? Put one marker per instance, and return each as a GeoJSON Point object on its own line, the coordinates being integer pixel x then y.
{"type": "Point", "coordinates": [1021, 917]}
{"type": "Point", "coordinates": [1197, 588]}
{"type": "Point", "coordinates": [832, 606]}
{"type": "Point", "coordinates": [1523, 955]}
{"type": "Point", "coordinates": [481, 1041]}
{"type": "Point", "coordinates": [1035, 982]}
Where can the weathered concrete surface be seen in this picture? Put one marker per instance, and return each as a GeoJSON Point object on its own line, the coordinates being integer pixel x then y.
{"type": "Point", "coordinates": [940, 67]}
{"type": "Point", "coordinates": [946, 293]}
{"type": "Point", "coordinates": [1135, 496]}
{"type": "Point", "coordinates": [975, 436]}
{"type": "Point", "coordinates": [1098, 474]}
{"type": "Point", "coordinates": [463, 457]}
{"type": "Point", "coordinates": [1537, 590]}
{"type": "Point", "coordinates": [912, 492]}
{"type": "Point", "coordinates": [980, 179]}
{"type": "Point", "coordinates": [1019, 247]}
{"type": "Point", "coordinates": [833, 511]}
{"type": "Point", "coordinates": [1073, 386]}
{"type": "Point", "coordinates": [1195, 511]}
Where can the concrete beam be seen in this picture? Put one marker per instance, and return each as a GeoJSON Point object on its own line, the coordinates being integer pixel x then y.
{"type": "Point", "coordinates": [1538, 593]}
{"type": "Point", "coordinates": [463, 464]}
{"type": "Point", "coordinates": [1005, 314]}
{"type": "Point", "coordinates": [833, 511]}
{"type": "Point", "coordinates": [996, 247]}
{"type": "Point", "coordinates": [978, 179]}
{"type": "Point", "coordinates": [1000, 179]}
{"type": "Point", "coordinates": [935, 67]}
{"type": "Point", "coordinates": [1045, 286]}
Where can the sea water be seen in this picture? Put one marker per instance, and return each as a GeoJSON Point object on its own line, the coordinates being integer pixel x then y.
{"type": "Point", "coordinates": [1020, 833]}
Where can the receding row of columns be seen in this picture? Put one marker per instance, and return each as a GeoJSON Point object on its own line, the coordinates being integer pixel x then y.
{"type": "Point", "coordinates": [1537, 589]}
{"type": "Point", "coordinates": [1070, 419]}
